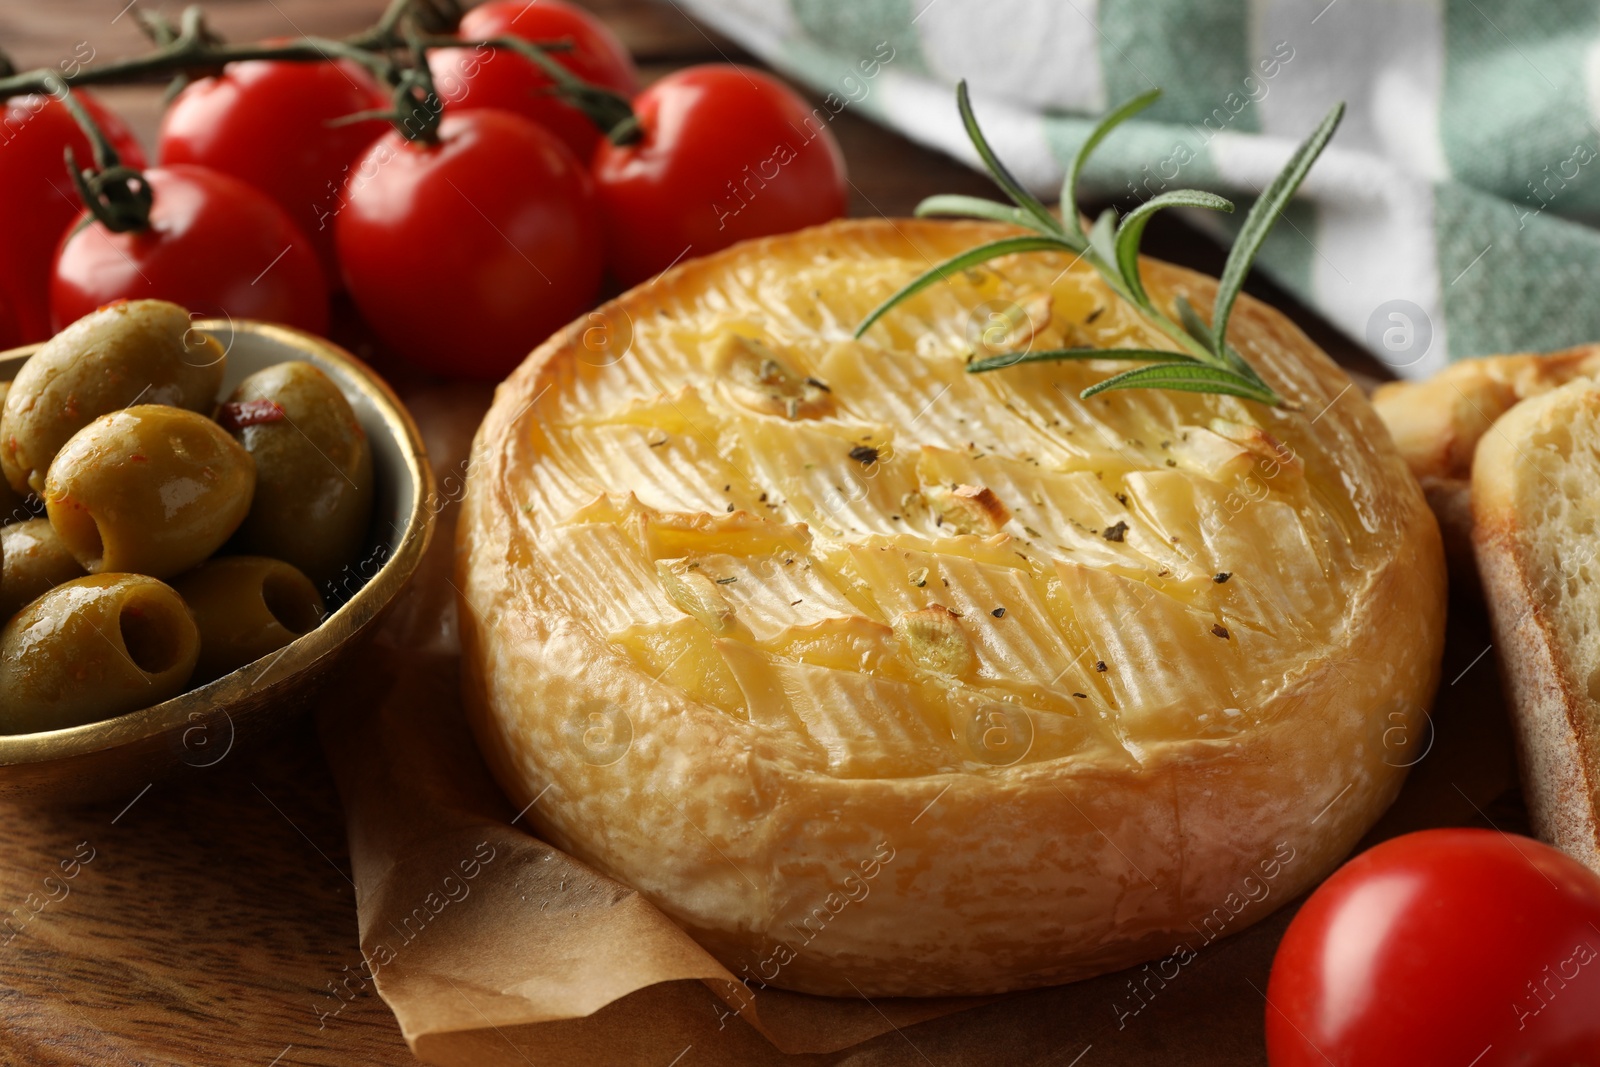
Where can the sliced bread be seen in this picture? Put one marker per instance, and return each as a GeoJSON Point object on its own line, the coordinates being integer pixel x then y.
{"type": "Point", "coordinates": [1536, 535]}
{"type": "Point", "coordinates": [1437, 423]}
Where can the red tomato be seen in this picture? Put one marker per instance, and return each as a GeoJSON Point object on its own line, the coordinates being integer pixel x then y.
{"type": "Point", "coordinates": [471, 78]}
{"type": "Point", "coordinates": [266, 123]}
{"type": "Point", "coordinates": [215, 245]}
{"type": "Point", "coordinates": [1465, 947]}
{"type": "Point", "coordinates": [727, 154]}
{"type": "Point", "coordinates": [9, 336]}
{"type": "Point", "coordinates": [37, 199]}
{"type": "Point", "coordinates": [465, 254]}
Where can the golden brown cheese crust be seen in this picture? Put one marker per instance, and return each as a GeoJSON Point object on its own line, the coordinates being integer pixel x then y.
{"type": "Point", "coordinates": [1041, 688]}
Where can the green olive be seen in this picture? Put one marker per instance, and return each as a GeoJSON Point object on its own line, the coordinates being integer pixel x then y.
{"type": "Point", "coordinates": [35, 562]}
{"type": "Point", "coordinates": [148, 490]}
{"type": "Point", "coordinates": [136, 351]}
{"type": "Point", "coordinates": [94, 648]}
{"type": "Point", "coordinates": [313, 500]}
{"type": "Point", "coordinates": [246, 607]}
{"type": "Point", "coordinates": [13, 506]}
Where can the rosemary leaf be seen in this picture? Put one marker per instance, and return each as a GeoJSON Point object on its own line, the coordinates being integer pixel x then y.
{"type": "Point", "coordinates": [1259, 222]}
{"type": "Point", "coordinates": [1047, 223]}
{"type": "Point", "coordinates": [1053, 355]}
{"type": "Point", "coordinates": [1189, 377]}
{"type": "Point", "coordinates": [1192, 322]}
{"type": "Point", "coordinates": [1237, 364]}
{"type": "Point", "coordinates": [974, 207]}
{"type": "Point", "coordinates": [1069, 188]}
{"type": "Point", "coordinates": [1208, 364]}
{"type": "Point", "coordinates": [1196, 328]}
{"type": "Point", "coordinates": [1131, 232]}
{"type": "Point", "coordinates": [970, 258]}
{"type": "Point", "coordinates": [1103, 240]}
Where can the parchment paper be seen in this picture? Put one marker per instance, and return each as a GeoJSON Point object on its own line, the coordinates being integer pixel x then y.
{"type": "Point", "coordinates": [492, 947]}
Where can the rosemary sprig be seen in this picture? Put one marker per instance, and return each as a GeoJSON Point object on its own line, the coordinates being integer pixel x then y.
{"type": "Point", "coordinates": [1203, 361]}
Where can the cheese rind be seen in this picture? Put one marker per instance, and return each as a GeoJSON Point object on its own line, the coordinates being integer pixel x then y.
{"type": "Point", "coordinates": [1078, 665]}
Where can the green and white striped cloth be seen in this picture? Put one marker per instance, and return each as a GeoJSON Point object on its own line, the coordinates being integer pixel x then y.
{"type": "Point", "coordinates": [1450, 217]}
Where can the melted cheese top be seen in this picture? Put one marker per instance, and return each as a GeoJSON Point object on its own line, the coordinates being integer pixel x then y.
{"type": "Point", "coordinates": [905, 568]}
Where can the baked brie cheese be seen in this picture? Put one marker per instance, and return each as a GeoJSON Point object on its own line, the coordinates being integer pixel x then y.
{"type": "Point", "coordinates": [884, 678]}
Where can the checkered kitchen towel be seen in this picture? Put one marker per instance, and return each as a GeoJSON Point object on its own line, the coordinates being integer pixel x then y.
{"type": "Point", "coordinates": [1450, 217]}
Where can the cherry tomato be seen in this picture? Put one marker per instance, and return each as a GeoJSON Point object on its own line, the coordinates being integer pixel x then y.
{"type": "Point", "coordinates": [727, 154]}
{"type": "Point", "coordinates": [215, 245]}
{"type": "Point", "coordinates": [10, 337]}
{"type": "Point", "coordinates": [476, 78]}
{"type": "Point", "coordinates": [267, 124]}
{"type": "Point", "coordinates": [37, 199]}
{"type": "Point", "coordinates": [465, 254]}
{"type": "Point", "coordinates": [1442, 947]}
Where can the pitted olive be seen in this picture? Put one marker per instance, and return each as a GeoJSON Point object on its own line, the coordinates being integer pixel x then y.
{"type": "Point", "coordinates": [93, 648]}
{"type": "Point", "coordinates": [313, 500]}
{"type": "Point", "coordinates": [13, 505]}
{"type": "Point", "coordinates": [36, 560]}
{"type": "Point", "coordinates": [136, 351]}
{"type": "Point", "coordinates": [148, 490]}
{"type": "Point", "coordinates": [246, 607]}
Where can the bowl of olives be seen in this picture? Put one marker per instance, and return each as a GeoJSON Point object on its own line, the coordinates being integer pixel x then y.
{"type": "Point", "coordinates": [199, 521]}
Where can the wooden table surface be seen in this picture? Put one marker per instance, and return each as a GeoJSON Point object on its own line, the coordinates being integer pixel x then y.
{"type": "Point", "coordinates": [207, 918]}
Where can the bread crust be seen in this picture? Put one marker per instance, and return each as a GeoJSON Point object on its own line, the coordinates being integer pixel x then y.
{"type": "Point", "coordinates": [1437, 422]}
{"type": "Point", "coordinates": [1549, 704]}
{"type": "Point", "coordinates": [984, 880]}
{"type": "Point", "coordinates": [1450, 500]}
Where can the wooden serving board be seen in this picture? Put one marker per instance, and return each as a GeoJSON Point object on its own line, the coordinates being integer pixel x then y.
{"type": "Point", "coordinates": [209, 918]}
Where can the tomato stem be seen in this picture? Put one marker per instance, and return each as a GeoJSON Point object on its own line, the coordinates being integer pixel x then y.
{"type": "Point", "coordinates": [429, 16]}
{"type": "Point", "coordinates": [628, 131]}
{"type": "Point", "coordinates": [202, 54]}
{"type": "Point", "coordinates": [394, 50]}
{"type": "Point", "coordinates": [188, 57]}
{"type": "Point", "coordinates": [116, 196]}
{"type": "Point", "coordinates": [417, 107]}
{"type": "Point", "coordinates": [610, 111]}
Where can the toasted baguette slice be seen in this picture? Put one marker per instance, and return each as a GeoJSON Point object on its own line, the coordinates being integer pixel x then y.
{"type": "Point", "coordinates": [1437, 423]}
{"type": "Point", "coordinates": [1536, 506]}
